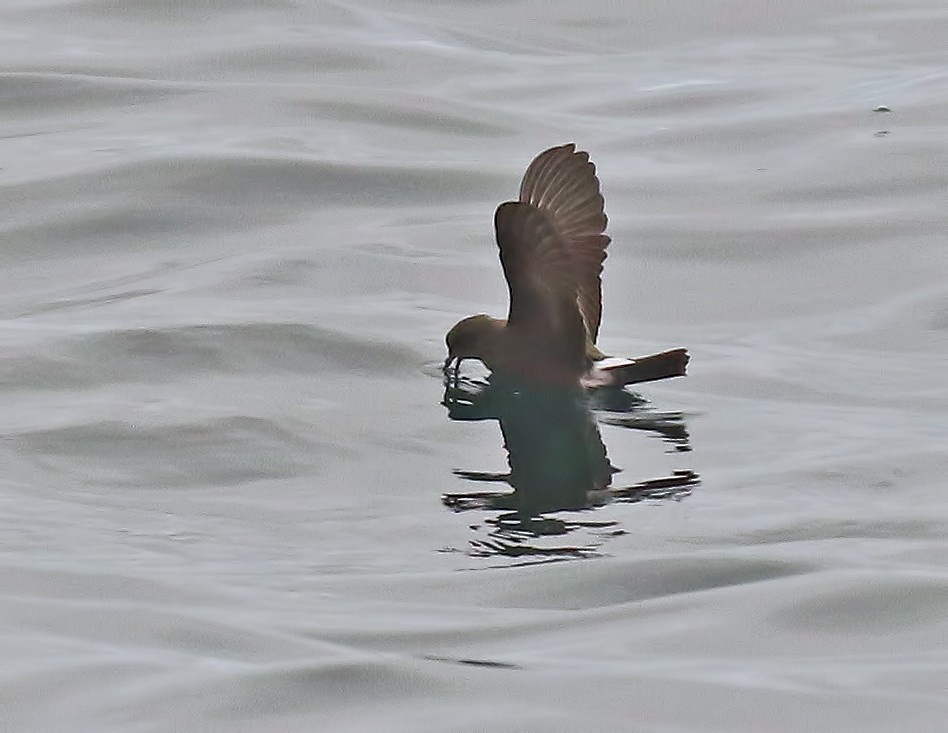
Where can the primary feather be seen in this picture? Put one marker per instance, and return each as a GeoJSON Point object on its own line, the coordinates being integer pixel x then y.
{"type": "Point", "coordinates": [562, 183]}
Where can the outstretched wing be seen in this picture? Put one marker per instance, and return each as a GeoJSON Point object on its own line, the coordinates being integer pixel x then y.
{"type": "Point", "coordinates": [561, 182]}
{"type": "Point", "coordinates": [541, 278]}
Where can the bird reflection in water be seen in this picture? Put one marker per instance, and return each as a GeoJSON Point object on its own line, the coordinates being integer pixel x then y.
{"type": "Point", "coordinates": [559, 467]}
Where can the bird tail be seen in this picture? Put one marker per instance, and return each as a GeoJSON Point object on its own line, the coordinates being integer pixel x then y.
{"type": "Point", "coordinates": [667, 364]}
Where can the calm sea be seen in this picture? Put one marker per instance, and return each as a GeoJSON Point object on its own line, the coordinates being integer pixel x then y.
{"type": "Point", "coordinates": [232, 236]}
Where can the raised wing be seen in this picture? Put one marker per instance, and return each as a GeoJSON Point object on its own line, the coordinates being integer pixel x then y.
{"type": "Point", "coordinates": [561, 182]}
{"type": "Point", "coordinates": [541, 278]}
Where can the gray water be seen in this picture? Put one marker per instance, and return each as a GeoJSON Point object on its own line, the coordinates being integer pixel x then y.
{"type": "Point", "coordinates": [232, 236]}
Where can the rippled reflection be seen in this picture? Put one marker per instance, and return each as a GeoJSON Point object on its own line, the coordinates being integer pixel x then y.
{"type": "Point", "coordinates": [559, 466]}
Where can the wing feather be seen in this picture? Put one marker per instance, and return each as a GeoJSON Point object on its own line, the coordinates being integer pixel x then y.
{"type": "Point", "coordinates": [541, 278]}
{"type": "Point", "coordinates": [561, 182]}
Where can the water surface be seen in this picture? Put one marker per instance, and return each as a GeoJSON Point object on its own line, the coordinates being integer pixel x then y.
{"type": "Point", "coordinates": [232, 237]}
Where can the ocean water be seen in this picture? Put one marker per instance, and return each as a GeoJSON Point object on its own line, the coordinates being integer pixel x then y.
{"type": "Point", "coordinates": [232, 236]}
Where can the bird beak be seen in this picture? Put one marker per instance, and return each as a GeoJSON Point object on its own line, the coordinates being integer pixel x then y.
{"type": "Point", "coordinates": [452, 375]}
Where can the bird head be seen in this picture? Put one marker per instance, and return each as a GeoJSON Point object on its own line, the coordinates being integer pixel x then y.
{"type": "Point", "coordinates": [470, 338]}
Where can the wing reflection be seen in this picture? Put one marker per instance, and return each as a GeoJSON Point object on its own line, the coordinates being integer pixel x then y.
{"type": "Point", "coordinates": [558, 465]}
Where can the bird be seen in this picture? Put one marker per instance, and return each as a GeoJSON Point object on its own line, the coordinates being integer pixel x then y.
{"type": "Point", "coordinates": [552, 245]}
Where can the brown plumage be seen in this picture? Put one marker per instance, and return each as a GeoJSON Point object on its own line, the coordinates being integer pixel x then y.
{"type": "Point", "coordinates": [552, 245]}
